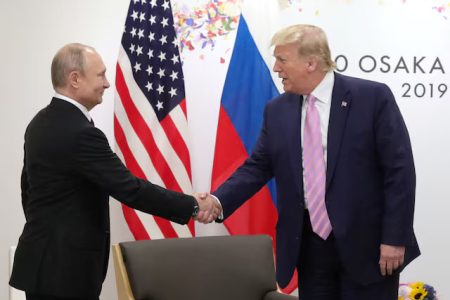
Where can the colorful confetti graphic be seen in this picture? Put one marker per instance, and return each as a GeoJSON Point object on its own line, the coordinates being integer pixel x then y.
{"type": "Point", "coordinates": [442, 8]}
{"type": "Point", "coordinates": [200, 27]}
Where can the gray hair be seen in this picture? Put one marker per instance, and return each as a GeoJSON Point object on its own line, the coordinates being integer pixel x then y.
{"type": "Point", "coordinates": [69, 58]}
{"type": "Point", "coordinates": [310, 39]}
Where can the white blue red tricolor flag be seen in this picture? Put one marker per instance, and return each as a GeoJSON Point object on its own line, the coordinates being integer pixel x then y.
{"type": "Point", "coordinates": [247, 89]}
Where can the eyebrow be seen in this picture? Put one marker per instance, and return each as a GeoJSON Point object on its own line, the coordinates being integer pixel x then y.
{"type": "Point", "coordinates": [279, 57]}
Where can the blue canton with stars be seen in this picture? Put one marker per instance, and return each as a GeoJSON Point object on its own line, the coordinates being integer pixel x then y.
{"type": "Point", "coordinates": [151, 44]}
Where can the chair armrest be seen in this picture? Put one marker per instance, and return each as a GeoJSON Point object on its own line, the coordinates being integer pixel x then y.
{"type": "Point", "coordinates": [124, 291]}
{"type": "Point", "coordinates": [279, 296]}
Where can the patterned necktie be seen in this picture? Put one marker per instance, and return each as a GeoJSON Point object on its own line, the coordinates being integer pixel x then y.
{"type": "Point", "coordinates": [314, 168]}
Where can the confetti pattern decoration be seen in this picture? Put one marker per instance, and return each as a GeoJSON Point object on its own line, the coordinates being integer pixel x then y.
{"type": "Point", "coordinates": [442, 8]}
{"type": "Point", "coordinates": [292, 4]}
{"type": "Point", "coordinates": [200, 27]}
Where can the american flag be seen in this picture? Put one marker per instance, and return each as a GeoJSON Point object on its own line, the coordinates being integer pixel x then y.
{"type": "Point", "coordinates": [150, 117]}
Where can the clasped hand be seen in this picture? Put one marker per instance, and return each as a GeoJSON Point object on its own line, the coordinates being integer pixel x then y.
{"type": "Point", "coordinates": [209, 208]}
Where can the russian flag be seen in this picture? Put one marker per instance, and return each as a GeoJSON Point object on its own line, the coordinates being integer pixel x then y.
{"type": "Point", "coordinates": [248, 87]}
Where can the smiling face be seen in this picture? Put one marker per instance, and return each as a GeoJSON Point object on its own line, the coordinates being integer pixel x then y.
{"type": "Point", "coordinates": [92, 82]}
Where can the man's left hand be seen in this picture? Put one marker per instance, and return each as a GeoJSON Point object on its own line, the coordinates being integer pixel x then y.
{"type": "Point", "coordinates": [391, 258]}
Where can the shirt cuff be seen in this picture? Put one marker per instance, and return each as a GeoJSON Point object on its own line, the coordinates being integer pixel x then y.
{"type": "Point", "coordinates": [220, 217]}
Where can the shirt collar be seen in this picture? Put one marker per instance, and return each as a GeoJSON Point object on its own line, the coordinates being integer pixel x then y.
{"type": "Point", "coordinates": [77, 104]}
{"type": "Point", "coordinates": [324, 89]}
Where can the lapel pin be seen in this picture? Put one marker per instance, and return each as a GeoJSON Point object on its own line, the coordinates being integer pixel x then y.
{"type": "Point", "coordinates": [344, 104]}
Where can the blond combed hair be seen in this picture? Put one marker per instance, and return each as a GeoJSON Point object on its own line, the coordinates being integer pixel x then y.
{"type": "Point", "coordinates": [69, 58]}
{"type": "Point", "coordinates": [310, 39]}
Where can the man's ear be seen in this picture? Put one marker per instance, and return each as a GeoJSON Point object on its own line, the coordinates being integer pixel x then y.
{"type": "Point", "coordinates": [74, 79]}
{"type": "Point", "coordinates": [312, 63]}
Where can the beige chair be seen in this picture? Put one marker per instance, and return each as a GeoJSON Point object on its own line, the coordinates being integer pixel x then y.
{"type": "Point", "coordinates": [202, 268]}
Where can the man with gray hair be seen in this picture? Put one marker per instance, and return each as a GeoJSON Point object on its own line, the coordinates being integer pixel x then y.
{"type": "Point", "coordinates": [68, 175]}
{"type": "Point", "coordinates": [341, 157]}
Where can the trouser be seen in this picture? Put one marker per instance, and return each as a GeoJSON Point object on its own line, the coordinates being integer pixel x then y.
{"type": "Point", "coordinates": [321, 275]}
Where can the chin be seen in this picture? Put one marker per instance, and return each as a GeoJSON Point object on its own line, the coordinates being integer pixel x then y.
{"type": "Point", "coordinates": [287, 89]}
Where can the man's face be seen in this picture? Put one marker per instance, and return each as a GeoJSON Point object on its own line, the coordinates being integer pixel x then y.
{"type": "Point", "coordinates": [291, 68]}
{"type": "Point", "coordinates": [93, 82]}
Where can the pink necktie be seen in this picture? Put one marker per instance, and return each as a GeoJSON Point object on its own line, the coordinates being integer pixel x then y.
{"type": "Point", "coordinates": [314, 168]}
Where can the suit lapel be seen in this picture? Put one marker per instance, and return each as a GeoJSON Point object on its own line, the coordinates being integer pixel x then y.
{"type": "Point", "coordinates": [293, 134]}
{"type": "Point", "coordinates": [340, 106]}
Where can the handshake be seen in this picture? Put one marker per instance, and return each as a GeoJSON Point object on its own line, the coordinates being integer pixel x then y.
{"type": "Point", "coordinates": [209, 208]}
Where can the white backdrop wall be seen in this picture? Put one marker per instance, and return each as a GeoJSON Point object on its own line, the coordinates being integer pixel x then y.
{"type": "Point", "coordinates": [361, 32]}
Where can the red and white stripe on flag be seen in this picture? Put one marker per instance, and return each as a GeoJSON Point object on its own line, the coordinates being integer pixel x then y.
{"type": "Point", "coordinates": [150, 117]}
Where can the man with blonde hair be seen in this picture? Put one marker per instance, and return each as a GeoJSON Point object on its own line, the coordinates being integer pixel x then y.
{"type": "Point", "coordinates": [341, 157]}
{"type": "Point", "coordinates": [68, 175]}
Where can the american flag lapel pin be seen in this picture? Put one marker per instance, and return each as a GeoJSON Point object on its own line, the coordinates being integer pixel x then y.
{"type": "Point", "coordinates": [344, 103]}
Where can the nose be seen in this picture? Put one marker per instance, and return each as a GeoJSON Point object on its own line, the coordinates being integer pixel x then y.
{"type": "Point", "coordinates": [106, 83]}
{"type": "Point", "coordinates": [276, 67]}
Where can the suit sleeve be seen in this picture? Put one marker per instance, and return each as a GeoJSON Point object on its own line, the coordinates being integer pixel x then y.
{"type": "Point", "coordinates": [24, 187]}
{"type": "Point", "coordinates": [395, 155]}
{"type": "Point", "coordinates": [250, 177]}
{"type": "Point", "coordinates": [97, 163]}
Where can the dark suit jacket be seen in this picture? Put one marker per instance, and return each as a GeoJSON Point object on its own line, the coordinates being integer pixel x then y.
{"type": "Point", "coordinates": [370, 186]}
{"type": "Point", "coordinates": [69, 172]}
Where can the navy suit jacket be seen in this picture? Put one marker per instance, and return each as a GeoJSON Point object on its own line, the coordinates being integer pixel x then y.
{"type": "Point", "coordinates": [370, 185]}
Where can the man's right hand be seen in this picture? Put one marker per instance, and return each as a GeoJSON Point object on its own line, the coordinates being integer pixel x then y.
{"type": "Point", "coordinates": [209, 208]}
